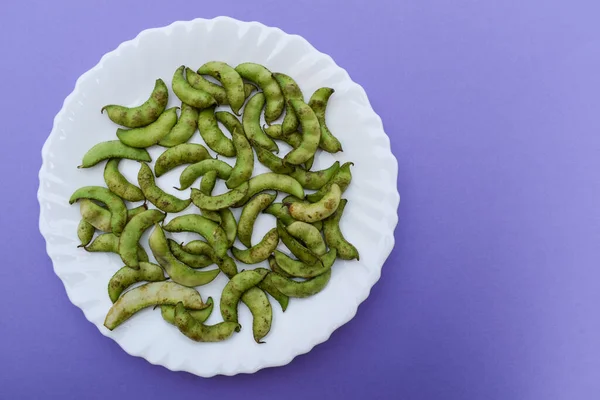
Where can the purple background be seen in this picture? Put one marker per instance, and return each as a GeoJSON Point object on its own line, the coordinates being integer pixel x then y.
{"type": "Point", "coordinates": [492, 291]}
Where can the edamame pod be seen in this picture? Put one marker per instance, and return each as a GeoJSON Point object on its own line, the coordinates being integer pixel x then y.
{"type": "Point", "coordinates": [216, 91]}
{"type": "Point", "coordinates": [272, 162]}
{"type": "Point", "coordinates": [112, 149]}
{"type": "Point", "coordinates": [155, 195]}
{"type": "Point", "coordinates": [334, 237]}
{"type": "Point", "coordinates": [318, 102]}
{"type": "Point", "coordinates": [281, 212]}
{"type": "Point", "coordinates": [235, 288]}
{"type": "Point", "coordinates": [178, 271]}
{"type": "Point", "coordinates": [309, 235]}
{"type": "Point", "coordinates": [249, 215]}
{"type": "Point", "coordinates": [315, 180]}
{"type": "Point", "coordinates": [251, 123]}
{"type": "Point", "coordinates": [272, 181]}
{"type": "Point", "coordinates": [194, 171]}
{"type": "Point", "coordinates": [213, 135]}
{"type": "Point", "coordinates": [183, 129]}
{"type": "Point", "coordinates": [229, 225]}
{"type": "Point", "coordinates": [275, 132]}
{"type": "Point", "coordinates": [113, 202]}
{"type": "Point", "coordinates": [244, 164]}
{"type": "Point", "coordinates": [297, 248]}
{"type": "Point", "coordinates": [154, 293]}
{"type": "Point", "coordinates": [264, 79]}
{"type": "Point", "coordinates": [126, 277]}
{"type": "Point", "coordinates": [188, 94]}
{"type": "Point", "coordinates": [311, 134]}
{"type": "Point", "coordinates": [219, 202]}
{"type": "Point", "coordinates": [109, 243]}
{"type": "Point", "coordinates": [291, 91]}
{"type": "Point", "coordinates": [198, 247]}
{"type": "Point", "coordinates": [276, 268]}
{"type": "Point", "coordinates": [319, 210]}
{"type": "Point", "coordinates": [198, 332]}
{"type": "Point", "coordinates": [299, 269]}
{"type": "Point", "coordinates": [186, 153]}
{"type": "Point", "coordinates": [143, 115]}
{"type": "Point", "coordinates": [294, 139]}
{"type": "Point", "coordinates": [342, 178]}
{"type": "Point", "coordinates": [231, 81]}
{"type": "Point", "coordinates": [293, 288]}
{"type": "Point", "coordinates": [85, 232]}
{"type": "Point", "coordinates": [151, 134]}
{"type": "Point", "coordinates": [262, 313]}
{"type": "Point", "coordinates": [213, 233]}
{"type": "Point", "coordinates": [132, 233]}
{"type": "Point", "coordinates": [168, 312]}
{"type": "Point", "coordinates": [261, 251]}
{"type": "Point", "coordinates": [207, 184]}
{"type": "Point", "coordinates": [191, 260]}
{"type": "Point", "coordinates": [100, 217]}
{"type": "Point", "coordinates": [118, 184]}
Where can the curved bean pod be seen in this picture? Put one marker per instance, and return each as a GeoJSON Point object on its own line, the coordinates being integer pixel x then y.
{"type": "Point", "coordinates": [292, 288]}
{"type": "Point", "coordinates": [168, 312]}
{"type": "Point", "coordinates": [276, 268]}
{"type": "Point", "coordinates": [319, 210]}
{"type": "Point", "coordinates": [342, 178]}
{"type": "Point", "coordinates": [199, 247]}
{"type": "Point", "coordinates": [235, 288]}
{"type": "Point", "coordinates": [213, 135]}
{"type": "Point", "coordinates": [232, 82]}
{"type": "Point", "coordinates": [114, 203]}
{"type": "Point", "coordinates": [85, 232]}
{"type": "Point", "coordinates": [207, 184]}
{"type": "Point", "coordinates": [334, 237]}
{"type": "Point", "coordinates": [281, 212]}
{"type": "Point", "coordinates": [118, 184]}
{"type": "Point", "coordinates": [262, 313]}
{"type": "Point", "coordinates": [109, 243]}
{"type": "Point", "coordinates": [309, 235]}
{"type": "Point", "coordinates": [229, 225]}
{"type": "Point", "coordinates": [272, 181]}
{"type": "Point", "coordinates": [249, 215]}
{"type": "Point", "coordinates": [299, 269]}
{"type": "Point", "coordinates": [149, 135]}
{"type": "Point", "coordinates": [132, 233]}
{"type": "Point", "coordinates": [318, 102]}
{"type": "Point", "coordinates": [198, 332]}
{"type": "Point", "coordinates": [219, 202]}
{"type": "Point", "coordinates": [251, 123]}
{"type": "Point", "coordinates": [112, 149]}
{"type": "Point", "coordinates": [189, 259]}
{"type": "Point", "coordinates": [291, 91]}
{"type": "Point", "coordinates": [294, 139]}
{"type": "Point", "coordinates": [315, 180]}
{"type": "Point", "coordinates": [188, 94]}
{"type": "Point", "coordinates": [155, 195]}
{"type": "Point", "coordinates": [264, 79]}
{"type": "Point", "coordinates": [244, 163]}
{"type": "Point", "coordinates": [178, 271]}
{"type": "Point", "coordinates": [144, 114]}
{"type": "Point", "coordinates": [298, 249]}
{"type": "Point", "coordinates": [100, 217]}
{"type": "Point", "coordinates": [154, 293]}
{"type": "Point", "coordinates": [212, 232]}
{"type": "Point", "coordinates": [311, 134]}
{"type": "Point", "coordinates": [194, 171]}
{"type": "Point", "coordinates": [216, 91]}
{"type": "Point", "coordinates": [183, 129]}
{"type": "Point", "coordinates": [272, 162]}
{"type": "Point", "coordinates": [186, 153]}
{"type": "Point", "coordinates": [261, 251]}
{"type": "Point", "coordinates": [126, 277]}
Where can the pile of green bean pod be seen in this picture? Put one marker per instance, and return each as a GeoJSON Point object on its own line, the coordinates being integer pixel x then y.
{"type": "Point", "coordinates": [307, 224]}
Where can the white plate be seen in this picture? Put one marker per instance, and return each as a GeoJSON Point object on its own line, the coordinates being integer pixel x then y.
{"type": "Point", "coordinates": [126, 76]}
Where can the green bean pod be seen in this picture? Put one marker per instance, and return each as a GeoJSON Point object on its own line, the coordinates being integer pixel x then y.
{"type": "Point", "coordinates": [191, 260]}
{"type": "Point", "coordinates": [207, 184]}
{"type": "Point", "coordinates": [178, 271]}
{"type": "Point", "coordinates": [272, 162]}
{"type": "Point", "coordinates": [315, 180]}
{"type": "Point", "coordinates": [132, 233]}
{"type": "Point", "coordinates": [168, 312]}
{"type": "Point", "coordinates": [244, 164]}
{"type": "Point", "coordinates": [155, 195]}
{"type": "Point", "coordinates": [291, 91]}
{"type": "Point", "coordinates": [199, 332]}
{"type": "Point", "coordinates": [261, 251]}
{"type": "Point", "coordinates": [251, 123]}
{"type": "Point", "coordinates": [249, 215]}
{"type": "Point", "coordinates": [271, 181]}
{"type": "Point", "coordinates": [219, 202]}
{"type": "Point", "coordinates": [127, 276]}
{"type": "Point", "coordinates": [262, 313]}
{"type": "Point", "coordinates": [149, 135]}
{"type": "Point", "coordinates": [85, 232]}
{"type": "Point", "coordinates": [232, 82]}
{"type": "Point", "coordinates": [299, 269]}
{"type": "Point", "coordinates": [184, 128]}
{"type": "Point", "coordinates": [264, 79]}
{"type": "Point", "coordinates": [109, 243]}
{"type": "Point", "coordinates": [235, 288]}
{"type": "Point", "coordinates": [186, 153]}
{"type": "Point", "coordinates": [144, 114]}
{"type": "Point", "coordinates": [118, 184]}
{"type": "Point", "coordinates": [213, 135]}
{"type": "Point", "coordinates": [281, 212]}
{"type": "Point", "coordinates": [194, 171]}
{"type": "Point", "coordinates": [212, 232]}
{"type": "Point", "coordinates": [216, 91]}
{"type": "Point", "coordinates": [342, 178]}
{"type": "Point", "coordinates": [293, 288]}
{"type": "Point", "coordinates": [318, 102]}
{"type": "Point", "coordinates": [99, 217]}
{"type": "Point", "coordinates": [334, 237]}
{"type": "Point", "coordinates": [309, 235]}
{"type": "Point", "coordinates": [229, 225]}
{"type": "Point", "coordinates": [311, 134]}
{"type": "Point", "coordinates": [112, 149]}
{"type": "Point", "coordinates": [188, 94]}
{"type": "Point", "coordinates": [113, 202]}
{"type": "Point", "coordinates": [312, 212]}
{"type": "Point", "coordinates": [298, 249]}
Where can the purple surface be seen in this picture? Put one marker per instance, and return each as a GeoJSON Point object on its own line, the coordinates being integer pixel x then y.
{"type": "Point", "coordinates": [492, 291]}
